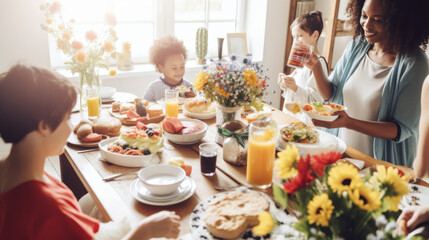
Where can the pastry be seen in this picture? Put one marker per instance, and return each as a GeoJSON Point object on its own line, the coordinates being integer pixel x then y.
{"type": "Point", "coordinates": [116, 106]}
{"type": "Point", "coordinates": [230, 215]}
{"type": "Point", "coordinates": [108, 126]}
{"type": "Point", "coordinates": [81, 123]}
{"type": "Point", "coordinates": [154, 110]}
{"type": "Point", "coordinates": [84, 130]}
{"type": "Point", "coordinates": [195, 105]}
{"type": "Point", "coordinates": [144, 101]}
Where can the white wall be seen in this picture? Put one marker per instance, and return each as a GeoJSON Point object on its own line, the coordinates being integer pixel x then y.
{"type": "Point", "coordinates": [21, 37]}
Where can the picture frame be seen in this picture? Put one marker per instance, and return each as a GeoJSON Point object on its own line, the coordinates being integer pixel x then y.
{"type": "Point", "coordinates": [237, 43]}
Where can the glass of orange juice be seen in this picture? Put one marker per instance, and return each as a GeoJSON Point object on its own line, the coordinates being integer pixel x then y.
{"type": "Point", "coordinates": [93, 102]}
{"type": "Point", "coordinates": [171, 103]}
{"type": "Point", "coordinates": [261, 152]}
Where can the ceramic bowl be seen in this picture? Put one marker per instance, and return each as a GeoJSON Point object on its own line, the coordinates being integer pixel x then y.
{"type": "Point", "coordinates": [321, 117]}
{"type": "Point", "coordinates": [188, 138]}
{"type": "Point", "coordinates": [162, 179]}
{"type": "Point", "coordinates": [107, 92]}
{"type": "Point", "coordinates": [125, 160]}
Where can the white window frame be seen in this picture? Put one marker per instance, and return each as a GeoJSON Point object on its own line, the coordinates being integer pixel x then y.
{"type": "Point", "coordinates": [163, 21]}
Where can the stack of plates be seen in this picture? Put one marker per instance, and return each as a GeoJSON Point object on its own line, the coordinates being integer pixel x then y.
{"type": "Point", "coordinates": [106, 100]}
{"type": "Point", "coordinates": [142, 194]}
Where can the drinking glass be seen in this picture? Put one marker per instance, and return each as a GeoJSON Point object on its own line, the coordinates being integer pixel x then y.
{"type": "Point", "coordinates": [261, 153]}
{"type": "Point", "coordinates": [208, 155]}
{"type": "Point", "coordinates": [171, 103]}
{"type": "Point", "coordinates": [93, 102]}
{"type": "Point", "coordinates": [300, 53]}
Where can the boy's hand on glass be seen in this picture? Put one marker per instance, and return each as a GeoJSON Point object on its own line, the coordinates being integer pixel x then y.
{"type": "Point", "coordinates": [312, 62]}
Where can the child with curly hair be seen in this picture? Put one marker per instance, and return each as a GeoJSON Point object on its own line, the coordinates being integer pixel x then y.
{"type": "Point", "coordinates": [168, 54]}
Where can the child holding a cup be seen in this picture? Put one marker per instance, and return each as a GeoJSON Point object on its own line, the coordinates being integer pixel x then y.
{"type": "Point", "coordinates": [168, 54]}
{"type": "Point", "coordinates": [300, 86]}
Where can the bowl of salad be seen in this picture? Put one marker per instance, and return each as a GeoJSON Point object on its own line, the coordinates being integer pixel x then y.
{"type": "Point", "coordinates": [322, 112]}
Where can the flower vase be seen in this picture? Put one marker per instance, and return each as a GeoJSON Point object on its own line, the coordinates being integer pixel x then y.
{"type": "Point", "coordinates": [89, 100]}
{"type": "Point", "coordinates": [226, 114]}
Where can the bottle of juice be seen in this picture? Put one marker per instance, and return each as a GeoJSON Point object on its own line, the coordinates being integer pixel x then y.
{"type": "Point", "coordinates": [261, 153]}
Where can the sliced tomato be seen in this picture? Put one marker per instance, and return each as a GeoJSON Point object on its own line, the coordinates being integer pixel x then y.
{"type": "Point", "coordinates": [304, 141]}
{"type": "Point", "coordinates": [132, 114]}
{"type": "Point", "coordinates": [172, 125]}
{"type": "Point", "coordinates": [187, 168]}
{"type": "Point", "coordinates": [92, 137]}
{"type": "Point", "coordinates": [141, 126]}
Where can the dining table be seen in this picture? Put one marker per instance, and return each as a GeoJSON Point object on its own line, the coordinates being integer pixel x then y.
{"type": "Point", "coordinates": [83, 172]}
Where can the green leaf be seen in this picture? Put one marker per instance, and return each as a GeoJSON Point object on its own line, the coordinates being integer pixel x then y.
{"type": "Point", "coordinates": [280, 196]}
{"type": "Point", "coordinates": [317, 104]}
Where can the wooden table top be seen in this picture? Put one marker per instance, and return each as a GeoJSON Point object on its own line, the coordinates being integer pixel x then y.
{"type": "Point", "coordinates": [116, 202]}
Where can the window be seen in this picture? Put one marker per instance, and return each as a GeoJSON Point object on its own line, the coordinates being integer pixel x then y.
{"type": "Point", "coordinates": [142, 21]}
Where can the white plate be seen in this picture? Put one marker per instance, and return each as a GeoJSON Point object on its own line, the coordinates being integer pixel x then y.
{"type": "Point", "coordinates": [178, 199]}
{"type": "Point", "coordinates": [326, 142]}
{"type": "Point", "coordinates": [202, 116]}
{"type": "Point", "coordinates": [183, 189]}
{"type": "Point", "coordinates": [322, 117]}
{"type": "Point", "coordinates": [418, 196]}
{"type": "Point", "coordinates": [284, 229]}
{"type": "Point", "coordinates": [126, 160]}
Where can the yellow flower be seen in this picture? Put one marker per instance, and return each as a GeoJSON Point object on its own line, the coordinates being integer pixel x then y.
{"type": "Point", "coordinates": [266, 224]}
{"type": "Point", "coordinates": [320, 210]}
{"type": "Point", "coordinates": [365, 199]}
{"type": "Point", "coordinates": [391, 184]}
{"type": "Point", "coordinates": [250, 77]}
{"type": "Point", "coordinates": [287, 161]}
{"type": "Point", "coordinates": [126, 46]}
{"type": "Point", "coordinates": [48, 20]}
{"type": "Point", "coordinates": [61, 44]}
{"type": "Point", "coordinates": [201, 80]}
{"type": "Point", "coordinates": [80, 57]}
{"type": "Point", "coordinates": [344, 177]}
{"type": "Point", "coordinates": [108, 46]}
{"type": "Point", "coordinates": [112, 72]}
{"type": "Point", "coordinates": [66, 36]}
{"type": "Point", "coordinates": [222, 92]}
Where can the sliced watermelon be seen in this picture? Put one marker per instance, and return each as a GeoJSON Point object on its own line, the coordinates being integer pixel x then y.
{"type": "Point", "coordinates": [92, 137]}
{"type": "Point", "coordinates": [187, 168]}
{"type": "Point", "coordinates": [141, 126]}
{"type": "Point", "coordinates": [172, 125]}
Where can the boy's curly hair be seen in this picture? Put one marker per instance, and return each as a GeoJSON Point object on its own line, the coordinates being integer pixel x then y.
{"type": "Point", "coordinates": [407, 23]}
{"type": "Point", "coordinates": [166, 46]}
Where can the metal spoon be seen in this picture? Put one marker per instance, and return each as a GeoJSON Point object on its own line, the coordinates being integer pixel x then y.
{"type": "Point", "coordinates": [114, 176]}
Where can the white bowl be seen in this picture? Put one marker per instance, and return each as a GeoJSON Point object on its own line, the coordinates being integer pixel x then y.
{"type": "Point", "coordinates": [162, 179]}
{"type": "Point", "coordinates": [107, 92]}
{"type": "Point", "coordinates": [188, 138]}
{"type": "Point", "coordinates": [125, 160]}
{"type": "Point", "coordinates": [202, 116]}
{"type": "Point", "coordinates": [321, 117]}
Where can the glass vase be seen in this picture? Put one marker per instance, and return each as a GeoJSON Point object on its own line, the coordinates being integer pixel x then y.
{"type": "Point", "coordinates": [226, 114]}
{"type": "Point", "coordinates": [89, 88]}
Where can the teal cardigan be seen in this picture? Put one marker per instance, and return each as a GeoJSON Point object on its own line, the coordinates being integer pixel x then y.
{"type": "Point", "coordinates": [400, 100]}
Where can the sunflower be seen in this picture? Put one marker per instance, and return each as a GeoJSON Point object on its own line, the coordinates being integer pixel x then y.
{"type": "Point", "coordinates": [221, 91]}
{"type": "Point", "coordinates": [364, 198]}
{"type": "Point", "coordinates": [343, 177]}
{"type": "Point", "coordinates": [319, 210]}
{"type": "Point", "coordinates": [266, 224]}
{"type": "Point", "coordinates": [286, 163]}
{"type": "Point", "coordinates": [201, 80]}
{"type": "Point", "coordinates": [250, 77]}
{"type": "Point", "coordinates": [389, 182]}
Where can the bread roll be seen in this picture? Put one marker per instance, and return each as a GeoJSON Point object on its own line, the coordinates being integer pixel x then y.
{"type": "Point", "coordinates": [230, 215]}
{"type": "Point", "coordinates": [195, 105]}
{"type": "Point", "coordinates": [84, 130]}
{"type": "Point", "coordinates": [81, 123]}
{"type": "Point", "coordinates": [108, 126]}
{"type": "Point", "coordinates": [154, 110]}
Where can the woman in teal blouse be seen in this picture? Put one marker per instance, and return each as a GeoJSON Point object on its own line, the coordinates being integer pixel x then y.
{"type": "Point", "coordinates": [389, 34]}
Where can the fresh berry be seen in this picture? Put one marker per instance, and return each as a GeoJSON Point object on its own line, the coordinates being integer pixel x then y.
{"type": "Point", "coordinates": [156, 133]}
{"type": "Point", "coordinates": [146, 152]}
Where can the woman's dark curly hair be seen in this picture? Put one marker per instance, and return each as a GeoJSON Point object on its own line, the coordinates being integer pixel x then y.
{"type": "Point", "coordinates": [166, 46]}
{"type": "Point", "coordinates": [407, 23]}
